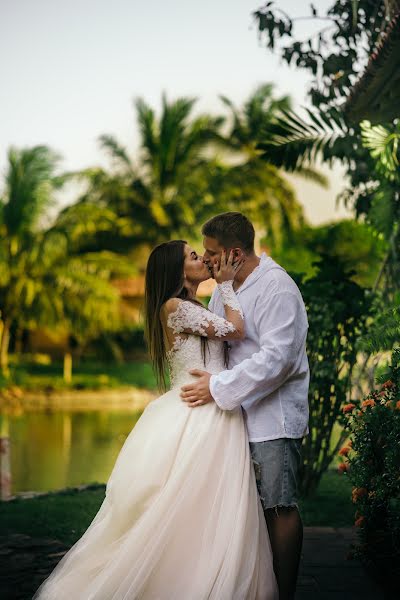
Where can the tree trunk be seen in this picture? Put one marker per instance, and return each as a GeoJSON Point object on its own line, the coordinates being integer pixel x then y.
{"type": "Point", "coordinates": [5, 464]}
{"type": "Point", "coordinates": [68, 367]}
{"type": "Point", "coordinates": [4, 343]}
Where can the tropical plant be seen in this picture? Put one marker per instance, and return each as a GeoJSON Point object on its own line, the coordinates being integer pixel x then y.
{"type": "Point", "coordinates": [357, 246]}
{"type": "Point", "coordinates": [165, 190]}
{"type": "Point", "coordinates": [333, 56]}
{"type": "Point", "coordinates": [337, 308]}
{"type": "Point", "coordinates": [333, 53]}
{"type": "Point", "coordinates": [44, 277]}
{"type": "Point", "coordinates": [252, 185]}
{"type": "Point", "coordinates": [371, 460]}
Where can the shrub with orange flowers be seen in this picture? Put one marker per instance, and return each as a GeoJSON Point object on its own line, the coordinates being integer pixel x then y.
{"type": "Point", "coordinates": [371, 460]}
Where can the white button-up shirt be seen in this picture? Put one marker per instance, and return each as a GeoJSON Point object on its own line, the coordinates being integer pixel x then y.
{"type": "Point", "coordinates": [269, 373]}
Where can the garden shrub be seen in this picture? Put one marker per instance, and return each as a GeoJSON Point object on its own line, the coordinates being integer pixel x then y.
{"type": "Point", "coordinates": [337, 309]}
{"type": "Point", "coordinates": [371, 460]}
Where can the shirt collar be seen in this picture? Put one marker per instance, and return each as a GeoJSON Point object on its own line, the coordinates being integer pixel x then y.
{"type": "Point", "coordinates": [266, 264]}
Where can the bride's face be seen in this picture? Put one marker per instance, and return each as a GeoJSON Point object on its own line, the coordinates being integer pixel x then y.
{"type": "Point", "coordinates": [194, 267]}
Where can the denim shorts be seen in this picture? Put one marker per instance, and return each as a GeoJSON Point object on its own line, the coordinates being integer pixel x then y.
{"type": "Point", "coordinates": [277, 465]}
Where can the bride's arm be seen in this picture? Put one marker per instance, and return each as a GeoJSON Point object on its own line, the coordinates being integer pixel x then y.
{"type": "Point", "coordinates": [183, 316]}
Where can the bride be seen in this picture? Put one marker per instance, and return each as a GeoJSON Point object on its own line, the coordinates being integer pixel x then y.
{"type": "Point", "coordinates": [181, 519]}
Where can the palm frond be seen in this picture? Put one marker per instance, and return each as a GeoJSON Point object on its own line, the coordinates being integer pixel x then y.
{"type": "Point", "coordinates": [117, 152]}
{"type": "Point", "coordinates": [147, 126]}
{"type": "Point", "coordinates": [383, 144]}
{"type": "Point", "coordinates": [30, 182]}
{"type": "Point", "coordinates": [313, 175]}
{"type": "Point", "coordinates": [292, 142]}
{"type": "Point", "coordinates": [383, 333]}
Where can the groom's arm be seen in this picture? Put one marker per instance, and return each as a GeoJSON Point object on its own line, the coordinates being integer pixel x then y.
{"type": "Point", "coordinates": [282, 330]}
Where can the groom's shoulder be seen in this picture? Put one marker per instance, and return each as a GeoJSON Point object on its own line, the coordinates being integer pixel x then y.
{"type": "Point", "coordinates": [275, 279]}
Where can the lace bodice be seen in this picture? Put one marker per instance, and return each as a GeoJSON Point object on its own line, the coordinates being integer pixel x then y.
{"type": "Point", "coordinates": [187, 324]}
{"type": "Point", "coordinates": [187, 354]}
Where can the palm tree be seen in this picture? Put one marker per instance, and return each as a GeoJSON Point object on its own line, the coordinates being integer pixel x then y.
{"type": "Point", "coordinates": [45, 279]}
{"type": "Point", "coordinates": [179, 178]}
{"type": "Point", "coordinates": [162, 192]}
{"type": "Point", "coordinates": [29, 186]}
{"type": "Point", "coordinates": [292, 142]}
{"type": "Point", "coordinates": [261, 188]}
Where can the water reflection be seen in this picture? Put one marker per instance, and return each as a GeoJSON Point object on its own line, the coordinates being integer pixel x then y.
{"type": "Point", "coordinates": [52, 450]}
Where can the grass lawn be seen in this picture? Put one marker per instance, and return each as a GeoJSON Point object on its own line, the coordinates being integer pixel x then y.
{"type": "Point", "coordinates": [65, 516]}
{"type": "Point", "coordinates": [331, 506]}
{"type": "Point", "coordinates": [85, 375]}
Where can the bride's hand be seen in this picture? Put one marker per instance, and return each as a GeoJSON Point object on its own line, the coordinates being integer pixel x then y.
{"type": "Point", "coordinates": [226, 270]}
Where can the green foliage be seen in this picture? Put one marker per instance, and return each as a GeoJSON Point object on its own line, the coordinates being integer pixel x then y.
{"type": "Point", "coordinates": [383, 331]}
{"type": "Point", "coordinates": [91, 373]}
{"type": "Point", "coordinates": [329, 505]}
{"type": "Point", "coordinates": [337, 309]}
{"type": "Point", "coordinates": [45, 278]}
{"type": "Point", "coordinates": [332, 55]}
{"type": "Point", "coordinates": [292, 142]}
{"type": "Point", "coordinates": [163, 193]}
{"type": "Point", "coordinates": [383, 143]}
{"type": "Point", "coordinates": [191, 167]}
{"type": "Point", "coordinates": [372, 465]}
{"type": "Point", "coordinates": [349, 31]}
{"type": "Point", "coordinates": [250, 185]}
{"type": "Point", "coordinates": [370, 152]}
{"type": "Point", "coordinates": [355, 244]}
{"type": "Point", "coordinates": [30, 182]}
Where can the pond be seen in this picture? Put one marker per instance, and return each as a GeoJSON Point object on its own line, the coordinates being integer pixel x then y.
{"type": "Point", "coordinates": [56, 449]}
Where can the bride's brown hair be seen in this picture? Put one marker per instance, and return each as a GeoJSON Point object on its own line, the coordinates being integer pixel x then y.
{"type": "Point", "coordinates": [164, 280]}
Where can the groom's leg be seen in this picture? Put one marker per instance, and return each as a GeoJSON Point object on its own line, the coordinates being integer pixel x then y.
{"type": "Point", "coordinates": [286, 535]}
{"type": "Point", "coordinates": [276, 464]}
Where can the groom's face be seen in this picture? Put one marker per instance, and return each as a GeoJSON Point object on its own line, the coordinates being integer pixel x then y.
{"type": "Point", "coordinates": [212, 252]}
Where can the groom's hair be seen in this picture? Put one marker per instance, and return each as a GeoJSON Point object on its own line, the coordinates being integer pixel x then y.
{"type": "Point", "coordinates": [231, 230]}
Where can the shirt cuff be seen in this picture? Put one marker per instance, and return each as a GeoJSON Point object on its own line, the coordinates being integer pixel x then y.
{"type": "Point", "coordinates": [218, 400]}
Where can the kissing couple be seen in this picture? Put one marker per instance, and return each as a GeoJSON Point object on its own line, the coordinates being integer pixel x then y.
{"type": "Point", "coordinates": [202, 500]}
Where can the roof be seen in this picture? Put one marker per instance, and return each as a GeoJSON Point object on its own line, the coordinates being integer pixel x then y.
{"type": "Point", "coordinates": [376, 95]}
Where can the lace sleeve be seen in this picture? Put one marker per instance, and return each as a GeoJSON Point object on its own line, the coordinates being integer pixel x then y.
{"type": "Point", "coordinates": [191, 318]}
{"type": "Point", "coordinates": [229, 297]}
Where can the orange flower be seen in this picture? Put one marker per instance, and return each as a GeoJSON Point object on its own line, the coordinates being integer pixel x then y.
{"type": "Point", "coordinates": [360, 521]}
{"type": "Point", "coordinates": [343, 467]}
{"type": "Point", "coordinates": [387, 385]}
{"type": "Point", "coordinates": [358, 493]}
{"type": "Point", "coordinates": [344, 451]}
{"type": "Point", "coordinates": [348, 407]}
{"type": "Point", "coordinates": [398, 405]}
{"type": "Point", "coordinates": [367, 403]}
{"type": "Point", "coordinates": [350, 443]}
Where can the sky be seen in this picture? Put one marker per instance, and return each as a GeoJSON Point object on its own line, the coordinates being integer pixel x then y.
{"type": "Point", "coordinates": [70, 70]}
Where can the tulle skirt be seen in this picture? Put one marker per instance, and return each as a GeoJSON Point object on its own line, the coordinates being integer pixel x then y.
{"type": "Point", "coordinates": [181, 519]}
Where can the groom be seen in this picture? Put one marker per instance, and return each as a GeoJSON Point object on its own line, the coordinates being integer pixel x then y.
{"type": "Point", "coordinates": [268, 376]}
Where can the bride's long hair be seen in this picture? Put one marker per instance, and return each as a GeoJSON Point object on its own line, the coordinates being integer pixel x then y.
{"type": "Point", "coordinates": [164, 280]}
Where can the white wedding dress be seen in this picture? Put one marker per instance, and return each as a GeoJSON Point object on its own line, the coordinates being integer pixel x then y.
{"type": "Point", "coordinates": [181, 519]}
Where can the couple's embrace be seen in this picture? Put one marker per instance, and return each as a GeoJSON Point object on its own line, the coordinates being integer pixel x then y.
{"type": "Point", "coordinates": [201, 503]}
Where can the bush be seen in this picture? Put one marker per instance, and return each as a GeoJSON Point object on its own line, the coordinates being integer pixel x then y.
{"type": "Point", "coordinates": [371, 460]}
{"type": "Point", "coordinates": [337, 308]}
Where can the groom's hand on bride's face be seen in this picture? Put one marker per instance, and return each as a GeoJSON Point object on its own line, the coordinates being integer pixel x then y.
{"type": "Point", "coordinates": [198, 392]}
